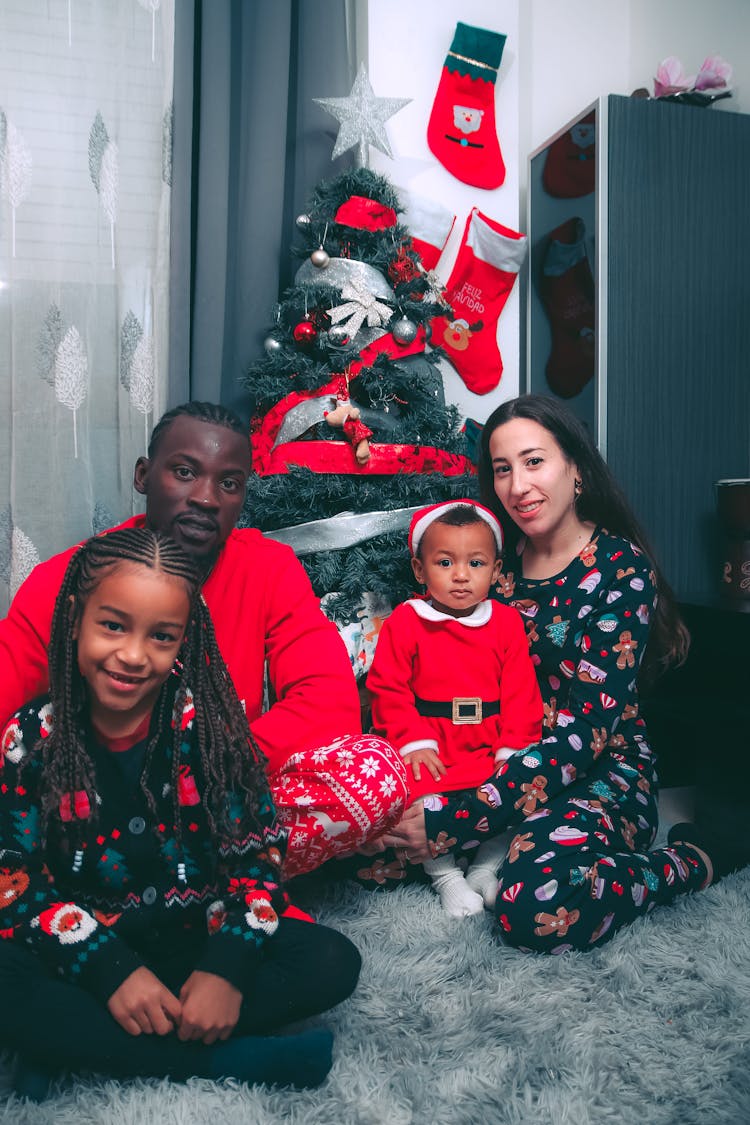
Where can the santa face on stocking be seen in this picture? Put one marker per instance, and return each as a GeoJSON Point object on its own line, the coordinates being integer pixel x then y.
{"type": "Point", "coordinates": [466, 119]}
{"type": "Point", "coordinates": [461, 131]}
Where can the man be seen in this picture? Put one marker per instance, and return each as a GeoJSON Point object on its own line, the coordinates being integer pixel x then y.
{"type": "Point", "coordinates": [334, 787]}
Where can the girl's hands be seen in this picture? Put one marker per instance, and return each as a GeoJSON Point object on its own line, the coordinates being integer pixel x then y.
{"type": "Point", "coordinates": [210, 1008]}
{"type": "Point", "coordinates": [427, 758]}
{"type": "Point", "coordinates": [142, 1004]}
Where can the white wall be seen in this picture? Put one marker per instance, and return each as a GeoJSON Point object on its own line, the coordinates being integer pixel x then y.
{"type": "Point", "coordinates": [558, 58]}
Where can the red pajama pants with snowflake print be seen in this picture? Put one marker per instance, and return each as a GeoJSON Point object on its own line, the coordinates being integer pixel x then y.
{"type": "Point", "coordinates": [333, 799]}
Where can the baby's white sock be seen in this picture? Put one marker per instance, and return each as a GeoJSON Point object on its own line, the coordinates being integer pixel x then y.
{"type": "Point", "coordinates": [456, 897]}
{"type": "Point", "coordinates": [482, 876]}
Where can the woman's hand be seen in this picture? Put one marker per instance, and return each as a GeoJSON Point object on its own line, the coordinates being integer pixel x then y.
{"type": "Point", "coordinates": [142, 1004]}
{"type": "Point", "coordinates": [427, 758]}
{"type": "Point", "coordinates": [409, 836]}
{"type": "Point", "coordinates": [210, 1007]}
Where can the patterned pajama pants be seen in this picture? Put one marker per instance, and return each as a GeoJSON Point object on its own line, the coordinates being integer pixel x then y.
{"type": "Point", "coordinates": [578, 867]}
{"type": "Point", "coordinates": [334, 799]}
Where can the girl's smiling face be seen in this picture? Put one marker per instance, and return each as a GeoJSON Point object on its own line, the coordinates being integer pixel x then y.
{"type": "Point", "coordinates": [534, 481]}
{"type": "Point", "coordinates": [128, 634]}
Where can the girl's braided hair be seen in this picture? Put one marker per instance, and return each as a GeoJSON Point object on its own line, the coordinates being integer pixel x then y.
{"type": "Point", "coordinates": [231, 760]}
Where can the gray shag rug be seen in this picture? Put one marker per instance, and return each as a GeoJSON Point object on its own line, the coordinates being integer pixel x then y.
{"type": "Point", "coordinates": [448, 1027]}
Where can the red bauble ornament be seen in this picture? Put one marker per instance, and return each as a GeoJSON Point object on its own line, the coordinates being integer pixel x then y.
{"type": "Point", "coordinates": [402, 268]}
{"type": "Point", "coordinates": [305, 333]}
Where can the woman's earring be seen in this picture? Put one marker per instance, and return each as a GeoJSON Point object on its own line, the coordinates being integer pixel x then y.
{"type": "Point", "coordinates": [578, 486]}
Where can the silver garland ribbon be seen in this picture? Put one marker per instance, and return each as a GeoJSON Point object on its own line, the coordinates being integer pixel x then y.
{"type": "Point", "coordinates": [347, 529]}
{"type": "Point", "coordinates": [303, 416]}
{"type": "Point", "coordinates": [344, 271]}
{"type": "Point", "coordinates": [360, 306]}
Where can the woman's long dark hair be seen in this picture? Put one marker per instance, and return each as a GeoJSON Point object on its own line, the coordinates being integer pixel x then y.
{"type": "Point", "coordinates": [231, 759]}
{"type": "Point", "coordinates": [601, 502]}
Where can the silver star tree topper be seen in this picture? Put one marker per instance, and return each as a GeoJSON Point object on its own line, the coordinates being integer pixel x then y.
{"type": "Point", "coordinates": [363, 117]}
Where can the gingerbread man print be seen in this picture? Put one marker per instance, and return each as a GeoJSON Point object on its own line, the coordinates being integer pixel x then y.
{"type": "Point", "coordinates": [532, 795]}
{"type": "Point", "coordinates": [626, 649]}
{"type": "Point", "coordinates": [558, 923]}
{"type": "Point", "coordinates": [520, 843]}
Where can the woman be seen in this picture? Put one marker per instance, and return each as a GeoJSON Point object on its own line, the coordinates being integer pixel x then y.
{"type": "Point", "coordinates": [583, 800]}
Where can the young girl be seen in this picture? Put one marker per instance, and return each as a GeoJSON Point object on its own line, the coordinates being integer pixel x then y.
{"type": "Point", "coordinates": [145, 929]}
{"type": "Point", "coordinates": [452, 684]}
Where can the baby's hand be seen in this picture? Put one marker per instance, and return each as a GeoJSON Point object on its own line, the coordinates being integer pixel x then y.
{"type": "Point", "coordinates": [427, 758]}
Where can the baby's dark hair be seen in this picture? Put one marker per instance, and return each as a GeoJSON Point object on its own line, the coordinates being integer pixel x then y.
{"type": "Point", "coordinates": [231, 760]}
{"type": "Point", "coordinates": [210, 412]}
{"type": "Point", "coordinates": [465, 515]}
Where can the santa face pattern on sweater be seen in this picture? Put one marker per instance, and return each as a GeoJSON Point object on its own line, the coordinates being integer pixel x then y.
{"type": "Point", "coordinates": [584, 798]}
{"type": "Point", "coordinates": [89, 911]}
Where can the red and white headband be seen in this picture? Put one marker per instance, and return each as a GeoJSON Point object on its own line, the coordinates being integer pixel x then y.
{"type": "Point", "coordinates": [425, 517]}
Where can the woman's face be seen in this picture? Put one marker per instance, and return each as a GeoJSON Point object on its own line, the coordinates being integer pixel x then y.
{"type": "Point", "coordinates": [534, 481]}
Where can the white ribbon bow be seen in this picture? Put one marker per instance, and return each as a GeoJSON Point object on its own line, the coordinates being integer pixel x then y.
{"type": "Point", "coordinates": [360, 305]}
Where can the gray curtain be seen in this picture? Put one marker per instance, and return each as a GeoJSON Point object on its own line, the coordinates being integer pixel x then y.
{"type": "Point", "coordinates": [249, 145]}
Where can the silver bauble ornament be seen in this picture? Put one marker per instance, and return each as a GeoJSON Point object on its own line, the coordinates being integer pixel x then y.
{"type": "Point", "coordinates": [302, 222]}
{"type": "Point", "coordinates": [338, 335]}
{"type": "Point", "coordinates": [320, 258]}
{"type": "Point", "coordinates": [404, 331]}
{"type": "Point", "coordinates": [272, 345]}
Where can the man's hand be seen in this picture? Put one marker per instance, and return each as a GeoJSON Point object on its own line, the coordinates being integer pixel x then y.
{"type": "Point", "coordinates": [210, 1007]}
{"type": "Point", "coordinates": [427, 758]}
{"type": "Point", "coordinates": [409, 836]}
{"type": "Point", "coordinates": [143, 1004]}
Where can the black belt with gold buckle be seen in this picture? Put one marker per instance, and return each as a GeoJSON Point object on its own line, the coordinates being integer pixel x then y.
{"type": "Point", "coordinates": [462, 709]}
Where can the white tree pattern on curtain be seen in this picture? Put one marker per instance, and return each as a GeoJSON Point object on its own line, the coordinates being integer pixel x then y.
{"type": "Point", "coordinates": [23, 559]}
{"type": "Point", "coordinates": [83, 318]}
{"type": "Point", "coordinates": [16, 171]}
{"type": "Point", "coordinates": [71, 370]}
{"type": "Point", "coordinates": [104, 169]}
{"type": "Point", "coordinates": [142, 379]}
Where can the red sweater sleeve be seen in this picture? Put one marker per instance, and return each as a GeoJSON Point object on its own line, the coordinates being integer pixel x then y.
{"type": "Point", "coordinates": [521, 709]}
{"type": "Point", "coordinates": [24, 635]}
{"type": "Point", "coordinates": [264, 608]}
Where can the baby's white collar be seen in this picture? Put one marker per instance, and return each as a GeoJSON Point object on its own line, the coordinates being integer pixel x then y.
{"type": "Point", "coordinates": [480, 615]}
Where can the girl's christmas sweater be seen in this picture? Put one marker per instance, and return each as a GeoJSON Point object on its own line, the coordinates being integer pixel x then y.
{"type": "Point", "coordinates": [92, 913]}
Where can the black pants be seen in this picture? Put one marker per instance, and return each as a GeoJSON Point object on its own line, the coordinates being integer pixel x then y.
{"type": "Point", "coordinates": [304, 969]}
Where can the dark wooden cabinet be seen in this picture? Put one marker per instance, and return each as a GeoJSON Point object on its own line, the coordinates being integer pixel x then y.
{"type": "Point", "coordinates": [698, 716]}
{"type": "Point", "coordinates": [668, 238]}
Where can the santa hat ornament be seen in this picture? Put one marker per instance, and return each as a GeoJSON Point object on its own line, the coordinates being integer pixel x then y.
{"type": "Point", "coordinates": [425, 517]}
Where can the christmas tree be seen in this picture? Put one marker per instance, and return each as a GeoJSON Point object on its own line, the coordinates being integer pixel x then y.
{"type": "Point", "coordinates": [351, 432]}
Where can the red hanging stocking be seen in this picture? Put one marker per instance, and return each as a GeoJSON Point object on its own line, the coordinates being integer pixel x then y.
{"type": "Point", "coordinates": [567, 291]}
{"type": "Point", "coordinates": [487, 265]}
{"type": "Point", "coordinates": [461, 132]}
{"type": "Point", "coordinates": [430, 224]}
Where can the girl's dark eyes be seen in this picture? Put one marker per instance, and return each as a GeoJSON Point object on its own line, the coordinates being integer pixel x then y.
{"type": "Point", "coordinates": [112, 626]}
{"type": "Point", "coordinates": [166, 638]}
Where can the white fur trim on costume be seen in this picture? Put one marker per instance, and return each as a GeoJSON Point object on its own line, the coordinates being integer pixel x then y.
{"type": "Point", "coordinates": [426, 516]}
{"type": "Point", "coordinates": [480, 615]}
{"type": "Point", "coordinates": [420, 744]}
